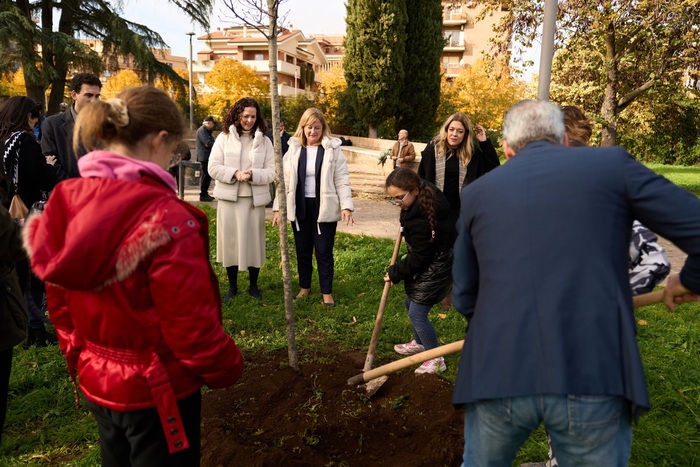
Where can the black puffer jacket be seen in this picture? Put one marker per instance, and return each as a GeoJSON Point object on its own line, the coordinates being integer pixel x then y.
{"type": "Point", "coordinates": [421, 287]}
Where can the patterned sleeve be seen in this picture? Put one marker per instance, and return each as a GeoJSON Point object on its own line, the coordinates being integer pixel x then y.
{"type": "Point", "coordinates": [649, 263]}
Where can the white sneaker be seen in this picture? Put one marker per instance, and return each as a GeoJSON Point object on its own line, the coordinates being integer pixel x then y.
{"type": "Point", "coordinates": [409, 348]}
{"type": "Point", "coordinates": [432, 366]}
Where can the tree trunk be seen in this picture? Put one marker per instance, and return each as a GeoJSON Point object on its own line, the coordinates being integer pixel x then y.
{"type": "Point", "coordinates": [372, 132]}
{"type": "Point", "coordinates": [609, 110]}
{"type": "Point", "coordinates": [272, 6]}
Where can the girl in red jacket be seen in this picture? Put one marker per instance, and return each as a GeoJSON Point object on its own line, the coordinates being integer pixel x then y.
{"type": "Point", "coordinates": [130, 288]}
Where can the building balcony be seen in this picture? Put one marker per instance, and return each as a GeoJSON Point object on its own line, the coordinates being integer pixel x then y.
{"type": "Point", "coordinates": [263, 66]}
{"type": "Point", "coordinates": [454, 45]}
{"type": "Point", "coordinates": [455, 19]}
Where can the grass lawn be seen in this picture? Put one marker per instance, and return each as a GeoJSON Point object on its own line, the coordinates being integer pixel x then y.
{"type": "Point", "coordinates": [44, 427]}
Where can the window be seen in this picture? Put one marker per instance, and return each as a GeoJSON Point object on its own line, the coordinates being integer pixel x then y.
{"type": "Point", "coordinates": [259, 57]}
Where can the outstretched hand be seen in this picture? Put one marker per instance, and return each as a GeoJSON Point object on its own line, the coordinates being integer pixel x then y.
{"type": "Point", "coordinates": [676, 293]}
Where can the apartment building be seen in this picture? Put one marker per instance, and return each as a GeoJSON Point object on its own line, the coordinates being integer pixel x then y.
{"type": "Point", "coordinates": [299, 59]}
{"type": "Point", "coordinates": [466, 39]}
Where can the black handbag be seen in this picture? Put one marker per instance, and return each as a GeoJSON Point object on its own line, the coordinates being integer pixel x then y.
{"type": "Point", "coordinates": [432, 285]}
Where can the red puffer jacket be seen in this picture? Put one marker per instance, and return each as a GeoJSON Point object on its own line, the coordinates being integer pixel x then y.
{"type": "Point", "coordinates": [132, 294]}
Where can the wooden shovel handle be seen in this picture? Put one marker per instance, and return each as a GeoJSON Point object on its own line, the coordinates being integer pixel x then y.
{"type": "Point", "coordinates": [447, 349]}
{"type": "Point", "coordinates": [382, 305]}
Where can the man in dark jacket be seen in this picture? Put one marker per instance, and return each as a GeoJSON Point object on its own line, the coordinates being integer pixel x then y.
{"type": "Point", "coordinates": [57, 130]}
{"type": "Point", "coordinates": [541, 272]}
{"type": "Point", "coordinates": [204, 142]}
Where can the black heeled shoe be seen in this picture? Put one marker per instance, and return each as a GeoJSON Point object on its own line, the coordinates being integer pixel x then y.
{"type": "Point", "coordinates": [232, 291]}
{"type": "Point", "coordinates": [255, 292]}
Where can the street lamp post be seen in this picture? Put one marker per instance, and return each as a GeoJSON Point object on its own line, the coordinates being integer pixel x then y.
{"type": "Point", "coordinates": [191, 107]}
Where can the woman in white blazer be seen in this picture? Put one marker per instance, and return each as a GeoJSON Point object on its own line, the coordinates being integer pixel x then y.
{"type": "Point", "coordinates": [318, 194]}
{"type": "Point", "coordinates": [243, 165]}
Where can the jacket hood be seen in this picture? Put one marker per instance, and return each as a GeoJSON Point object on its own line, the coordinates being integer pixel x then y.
{"type": "Point", "coordinates": [105, 164]}
{"type": "Point", "coordinates": [93, 231]}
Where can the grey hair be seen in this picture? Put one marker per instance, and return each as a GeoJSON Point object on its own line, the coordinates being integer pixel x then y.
{"type": "Point", "coordinates": [533, 120]}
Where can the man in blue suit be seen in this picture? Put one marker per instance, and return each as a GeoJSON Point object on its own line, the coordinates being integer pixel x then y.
{"type": "Point", "coordinates": [541, 273]}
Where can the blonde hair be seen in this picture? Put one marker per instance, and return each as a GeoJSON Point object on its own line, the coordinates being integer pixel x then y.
{"type": "Point", "coordinates": [310, 116]}
{"type": "Point", "coordinates": [128, 118]}
{"type": "Point", "coordinates": [465, 150]}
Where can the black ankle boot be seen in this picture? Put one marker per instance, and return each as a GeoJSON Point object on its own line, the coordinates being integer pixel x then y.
{"type": "Point", "coordinates": [232, 291]}
{"type": "Point", "coordinates": [254, 292]}
{"type": "Point", "coordinates": [39, 337]}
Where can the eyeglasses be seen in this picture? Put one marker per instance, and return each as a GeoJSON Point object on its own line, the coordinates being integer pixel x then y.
{"type": "Point", "coordinates": [398, 200]}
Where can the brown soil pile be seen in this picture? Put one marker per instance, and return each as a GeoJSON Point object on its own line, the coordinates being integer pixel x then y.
{"type": "Point", "coordinates": [275, 416]}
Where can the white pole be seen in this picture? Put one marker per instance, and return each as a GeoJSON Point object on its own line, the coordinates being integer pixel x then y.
{"type": "Point", "coordinates": [191, 106]}
{"type": "Point", "coordinates": [549, 26]}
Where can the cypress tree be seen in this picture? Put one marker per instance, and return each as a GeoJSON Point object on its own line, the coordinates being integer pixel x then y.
{"type": "Point", "coordinates": [374, 58]}
{"type": "Point", "coordinates": [420, 94]}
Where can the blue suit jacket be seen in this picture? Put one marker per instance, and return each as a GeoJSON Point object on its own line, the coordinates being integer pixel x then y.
{"type": "Point", "coordinates": [541, 272]}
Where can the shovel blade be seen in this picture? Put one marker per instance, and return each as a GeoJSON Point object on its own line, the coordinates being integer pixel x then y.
{"type": "Point", "coordinates": [373, 386]}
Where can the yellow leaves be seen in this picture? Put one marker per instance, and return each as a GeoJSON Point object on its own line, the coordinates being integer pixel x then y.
{"type": "Point", "coordinates": [120, 81]}
{"type": "Point", "coordinates": [484, 98]}
{"type": "Point", "coordinates": [442, 316]}
{"type": "Point", "coordinates": [642, 322]}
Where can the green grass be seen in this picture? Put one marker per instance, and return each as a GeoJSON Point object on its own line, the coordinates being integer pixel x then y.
{"type": "Point", "coordinates": [685, 177]}
{"type": "Point", "coordinates": [43, 425]}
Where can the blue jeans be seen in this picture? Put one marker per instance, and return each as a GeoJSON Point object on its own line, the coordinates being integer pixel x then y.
{"type": "Point", "coordinates": [423, 330]}
{"type": "Point", "coordinates": [586, 430]}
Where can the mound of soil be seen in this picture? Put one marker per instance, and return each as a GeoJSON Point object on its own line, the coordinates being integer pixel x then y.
{"type": "Point", "coordinates": [277, 416]}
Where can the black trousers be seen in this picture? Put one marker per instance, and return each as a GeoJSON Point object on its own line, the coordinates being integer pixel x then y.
{"type": "Point", "coordinates": [206, 178]}
{"type": "Point", "coordinates": [136, 438]}
{"type": "Point", "coordinates": [5, 368]}
{"type": "Point", "coordinates": [307, 239]}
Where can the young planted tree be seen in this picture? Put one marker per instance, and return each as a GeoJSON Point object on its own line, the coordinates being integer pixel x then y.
{"type": "Point", "coordinates": [636, 45]}
{"type": "Point", "coordinates": [49, 48]}
{"type": "Point", "coordinates": [375, 50]}
{"type": "Point", "coordinates": [263, 15]}
{"type": "Point", "coordinates": [420, 93]}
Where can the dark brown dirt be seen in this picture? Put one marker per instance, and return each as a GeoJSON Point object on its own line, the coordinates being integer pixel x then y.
{"type": "Point", "coordinates": [276, 416]}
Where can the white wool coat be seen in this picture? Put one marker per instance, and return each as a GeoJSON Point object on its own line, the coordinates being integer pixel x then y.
{"type": "Point", "coordinates": [335, 180]}
{"type": "Point", "coordinates": [225, 160]}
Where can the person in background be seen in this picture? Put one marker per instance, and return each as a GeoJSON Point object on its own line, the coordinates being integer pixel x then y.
{"type": "Point", "coordinates": [31, 176]}
{"type": "Point", "coordinates": [204, 141]}
{"type": "Point", "coordinates": [120, 253]}
{"type": "Point", "coordinates": [182, 153]}
{"type": "Point", "coordinates": [541, 273]}
{"type": "Point", "coordinates": [243, 164]}
{"type": "Point", "coordinates": [57, 134]}
{"type": "Point", "coordinates": [318, 194]}
{"type": "Point", "coordinates": [649, 264]}
{"type": "Point", "coordinates": [453, 159]}
{"type": "Point", "coordinates": [403, 153]}
{"type": "Point", "coordinates": [426, 269]}
{"type": "Point", "coordinates": [13, 316]}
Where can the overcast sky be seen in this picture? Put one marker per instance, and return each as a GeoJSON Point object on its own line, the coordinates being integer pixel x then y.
{"type": "Point", "coordinates": [310, 16]}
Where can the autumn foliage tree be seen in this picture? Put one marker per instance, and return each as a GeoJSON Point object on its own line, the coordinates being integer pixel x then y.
{"type": "Point", "coordinates": [229, 81]}
{"type": "Point", "coordinates": [481, 96]}
{"type": "Point", "coordinates": [120, 81]}
{"type": "Point", "coordinates": [632, 46]}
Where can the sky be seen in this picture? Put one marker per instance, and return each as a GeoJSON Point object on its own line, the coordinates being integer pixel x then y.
{"type": "Point", "coordinates": [310, 16]}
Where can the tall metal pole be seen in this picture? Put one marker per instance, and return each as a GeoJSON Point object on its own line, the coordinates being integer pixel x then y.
{"type": "Point", "coordinates": [191, 106]}
{"type": "Point", "coordinates": [549, 26]}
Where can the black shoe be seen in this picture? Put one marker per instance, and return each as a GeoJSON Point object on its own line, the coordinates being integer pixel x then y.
{"type": "Point", "coordinates": [255, 292]}
{"type": "Point", "coordinates": [205, 198]}
{"type": "Point", "coordinates": [39, 337]}
{"type": "Point", "coordinates": [232, 291]}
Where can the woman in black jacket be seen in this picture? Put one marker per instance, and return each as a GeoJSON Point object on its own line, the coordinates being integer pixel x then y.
{"type": "Point", "coordinates": [31, 175]}
{"type": "Point", "coordinates": [427, 268]}
{"type": "Point", "coordinates": [452, 160]}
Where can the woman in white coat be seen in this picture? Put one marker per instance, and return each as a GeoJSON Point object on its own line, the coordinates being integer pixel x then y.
{"type": "Point", "coordinates": [242, 163]}
{"type": "Point", "coordinates": [318, 194]}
